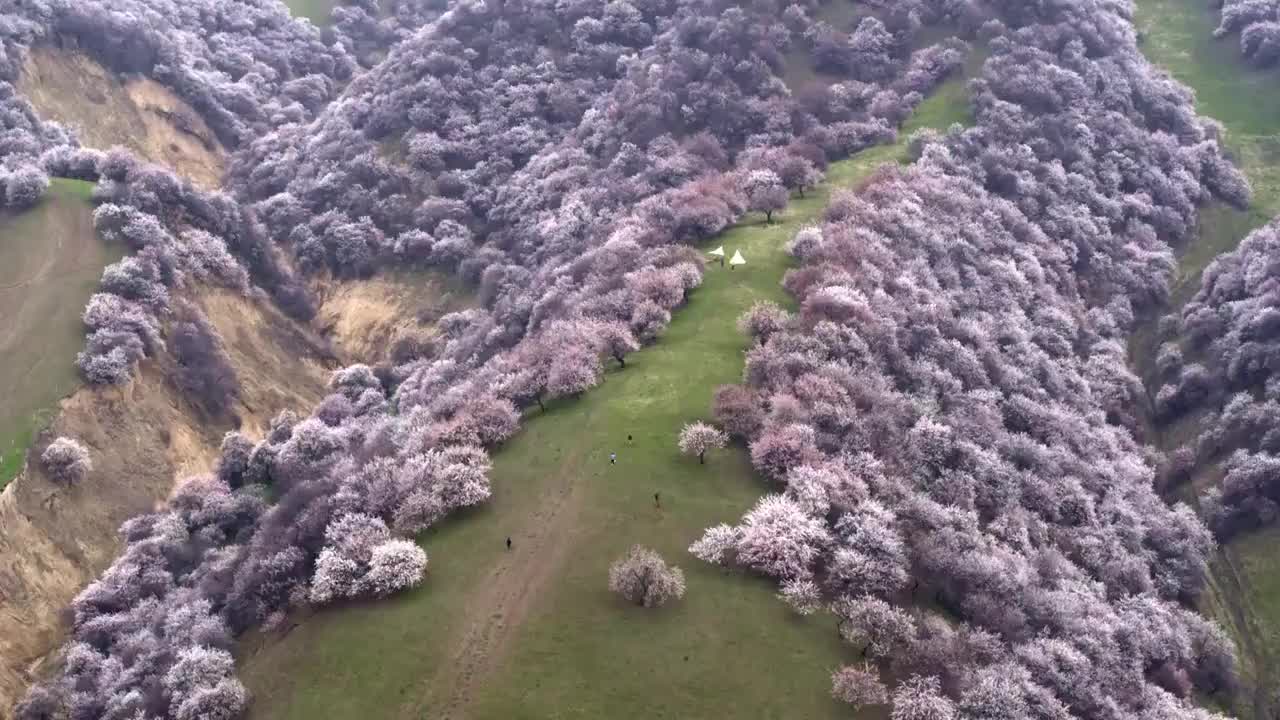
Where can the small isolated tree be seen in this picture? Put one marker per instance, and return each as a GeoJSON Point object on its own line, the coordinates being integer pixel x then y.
{"type": "Point", "coordinates": [66, 461]}
{"type": "Point", "coordinates": [644, 578]}
{"type": "Point", "coordinates": [858, 686]}
{"type": "Point", "coordinates": [698, 437]}
{"type": "Point", "coordinates": [765, 192]}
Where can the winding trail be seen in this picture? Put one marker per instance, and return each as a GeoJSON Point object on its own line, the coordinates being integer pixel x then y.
{"type": "Point", "coordinates": [495, 614]}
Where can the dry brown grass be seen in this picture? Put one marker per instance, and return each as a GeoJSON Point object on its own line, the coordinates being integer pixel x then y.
{"type": "Point", "coordinates": [139, 114]}
{"type": "Point", "coordinates": [366, 318]}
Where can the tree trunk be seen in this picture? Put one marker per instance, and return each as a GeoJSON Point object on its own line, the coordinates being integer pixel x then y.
{"type": "Point", "coordinates": [621, 361]}
{"type": "Point", "coordinates": [702, 457]}
{"type": "Point", "coordinates": [541, 407]}
{"type": "Point", "coordinates": [768, 216]}
{"type": "Point", "coordinates": [800, 190]}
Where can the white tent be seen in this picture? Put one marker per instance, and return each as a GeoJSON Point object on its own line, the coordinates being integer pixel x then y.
{"type": "Point", "coordinates": [737, 258]}
{"type": "Point", "coordinates": [719, 252]}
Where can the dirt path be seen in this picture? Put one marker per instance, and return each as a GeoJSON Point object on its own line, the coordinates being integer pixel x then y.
{"type": "Point", "coordinates": [497, 611]}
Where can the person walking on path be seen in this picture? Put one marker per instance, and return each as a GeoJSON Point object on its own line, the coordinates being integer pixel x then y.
{"type": "Point", "coordinates": [508, 543]}
{"type": "Point", "coordinates": [628, 439]}
{"type": "Point", "coordinates": [613, 458]}
{"type": "Point", "coordinates": [657, 501]}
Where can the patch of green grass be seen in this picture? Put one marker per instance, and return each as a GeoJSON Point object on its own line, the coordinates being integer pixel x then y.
{"type": "Point", "coordinates": [72, 188]}
{"type": "Point", "coordinates": [15, 450]}
{"type": "Point", "coordinates": [949, 103]}
{"type": "Point", "coordinates": [728, 649]}
{"type": "Point", "coordinates": [317, 11]}
{"type": "Point", "coordinates": [1244, 597]}
{"type": "Point", "coordinates": [50, 263]}
{"type": "Point", "coordinates": [1261, 564]}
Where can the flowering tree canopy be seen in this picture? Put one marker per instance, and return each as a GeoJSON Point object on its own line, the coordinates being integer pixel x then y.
{"type": "Point", "coordinates": [645, 579]}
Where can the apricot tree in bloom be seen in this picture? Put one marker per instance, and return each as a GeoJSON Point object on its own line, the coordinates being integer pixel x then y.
{"type": "Point", "coordinates": [858, 686]}
{"type": "Point", "coordinates": [644, 578]}
{"type": "Point", "coordinates": [66, 461]}
{"type": "Point", "coordinates": [698, 437]}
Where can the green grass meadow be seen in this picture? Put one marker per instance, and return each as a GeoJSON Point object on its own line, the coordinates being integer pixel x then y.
{"type": "Point", "coordinates": [729, 649]}
{"type": "Point", "coordinates": [50, 263]}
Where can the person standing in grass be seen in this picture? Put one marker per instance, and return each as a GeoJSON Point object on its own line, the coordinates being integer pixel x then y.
{"type": "Point", "coordinates": [613, 458]}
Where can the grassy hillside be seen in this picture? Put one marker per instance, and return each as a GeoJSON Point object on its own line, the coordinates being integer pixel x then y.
{"type": "Point", "coordinates": [1245, 588]}
{"type": "Point", "coordinates": [50, 262]}
{"type": "Point", "coordinates": [533, 632]}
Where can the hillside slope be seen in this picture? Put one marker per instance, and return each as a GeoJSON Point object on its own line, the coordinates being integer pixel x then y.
{"type": "Point", "coordinates": [575, 254]}
{"type": "Point", "coordinates": [533, 633]}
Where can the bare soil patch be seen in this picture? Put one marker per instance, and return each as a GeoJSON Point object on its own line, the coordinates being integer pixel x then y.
{"type": "Point", "coordinates": [365, 319]}
{"type": "Point", "coordinates": [139, 113]}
